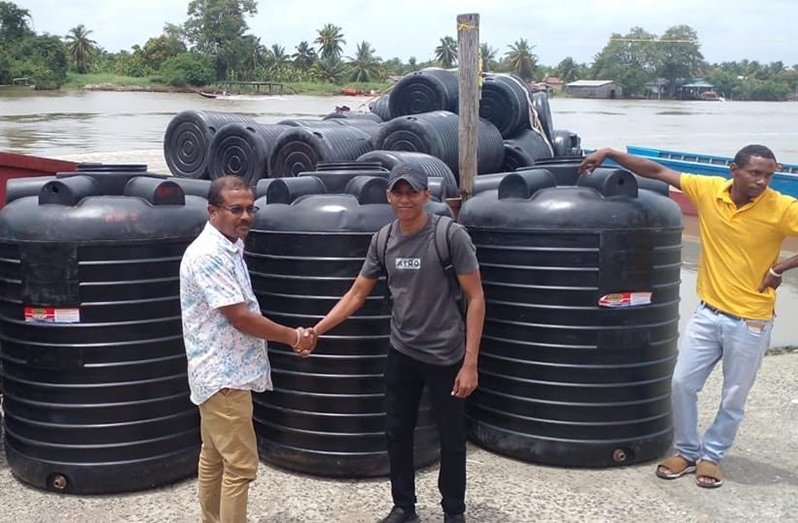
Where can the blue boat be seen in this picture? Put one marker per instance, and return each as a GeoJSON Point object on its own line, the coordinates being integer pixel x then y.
{"type": "Point", "coordinates": [785, 181]}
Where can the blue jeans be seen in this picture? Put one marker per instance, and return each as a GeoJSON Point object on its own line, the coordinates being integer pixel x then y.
{"type": "Point", "coordinates": [710, 337]}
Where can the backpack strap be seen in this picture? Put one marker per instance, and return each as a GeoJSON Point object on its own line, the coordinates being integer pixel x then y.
{"type": "Point", "coordinates": [442, 238]}
{"type": "Point", "coordinates": [383, 235]}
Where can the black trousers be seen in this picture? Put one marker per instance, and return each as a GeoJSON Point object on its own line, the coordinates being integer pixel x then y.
{"type": "Point", "coordinates": [405, 378]}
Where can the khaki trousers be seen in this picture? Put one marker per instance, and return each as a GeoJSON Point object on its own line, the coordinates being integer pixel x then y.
{"type": "Point", "coordinates": [229, 457]}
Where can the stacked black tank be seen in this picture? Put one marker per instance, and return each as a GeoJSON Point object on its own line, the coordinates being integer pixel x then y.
{"type": "Point", "coordinates": [326, 413]}
{"type": "Point", "coordinates": [581, 276]}
{"type": "Point", "coordinates": [93, 364]}
{"type": "Point", "coordinates": [187, 141]}
{"type": "Point", "coordinates": [244, 149]}
{"type": "Point", "coordinates": [436, 134]}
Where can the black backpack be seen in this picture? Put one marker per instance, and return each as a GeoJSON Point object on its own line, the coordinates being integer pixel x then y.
{"type": "Point", "coordinates": [442, 239]}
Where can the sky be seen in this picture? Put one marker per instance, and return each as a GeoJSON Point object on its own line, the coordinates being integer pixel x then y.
{"type": "Point", "coordinates": [729, 30]}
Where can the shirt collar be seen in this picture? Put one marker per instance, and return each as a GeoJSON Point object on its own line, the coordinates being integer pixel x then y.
{"type": "Point", "coordinates": [221, 240]}
{"type": "Point", "coordinates": [724, 194]}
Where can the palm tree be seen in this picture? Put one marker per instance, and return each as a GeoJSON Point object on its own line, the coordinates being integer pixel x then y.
{"type": "Point", "coordinates": [364, 67]}
{"type": "Point", "coordinates": [304, 56]}
{"type": "Point", "coordinates": [521, 60]}
{"type": "Point", "coordinates": [277, 61]}
{"type": "Point", "coordinates": [568, 70]}
{"type": "Point", "coordinates": [330, 69]}
{"type": "Point", "coordinates": [446, 53]}
{"type": "Point", "coordinates": [80, 47]}
{"type": "Point", "coordinates": [330, 39]}
{"type": "Point", "coordinates": [488, 55]}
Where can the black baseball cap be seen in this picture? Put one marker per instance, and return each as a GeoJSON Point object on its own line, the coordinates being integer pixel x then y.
{"type": "Point", "coordinates": [412, 175]}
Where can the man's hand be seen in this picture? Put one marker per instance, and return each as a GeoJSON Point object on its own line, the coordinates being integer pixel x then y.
{"type": "Point", "coordinates": [466, 381]}
{"type": "Point", "coordinates": [307, 341]}
{"type": "Point", "coordinates": [593, 161]}
{"type": "Point", "coordinates": [769, 281]}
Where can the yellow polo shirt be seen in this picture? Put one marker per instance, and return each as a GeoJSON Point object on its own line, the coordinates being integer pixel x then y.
{"type": "Point", "coordinates": [738, 246]}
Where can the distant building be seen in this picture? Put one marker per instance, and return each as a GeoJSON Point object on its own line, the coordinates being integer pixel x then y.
{"type": "Point", "coordinates": [553, 83]}
{"type": "Point", "coordinates": [696, 90]}
{"type": "Point", "coordinates": [596, 89]}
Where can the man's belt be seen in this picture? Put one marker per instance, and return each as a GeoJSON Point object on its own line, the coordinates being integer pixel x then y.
{"type": "Point", "coordinates": [717, 311]}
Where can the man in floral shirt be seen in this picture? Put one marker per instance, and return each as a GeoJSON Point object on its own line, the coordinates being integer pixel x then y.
{"type": "Point", "coordinates": [224, 335]}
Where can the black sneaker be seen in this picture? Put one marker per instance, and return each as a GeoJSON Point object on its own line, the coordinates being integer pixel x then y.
{"type": "Point", "coordinates": [401, 515]}
{"type": "Point", "coordinates": [454, 518]}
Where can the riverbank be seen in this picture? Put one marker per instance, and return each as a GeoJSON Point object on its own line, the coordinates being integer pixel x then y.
{"type": "Point", "coordinates": [111, 82]}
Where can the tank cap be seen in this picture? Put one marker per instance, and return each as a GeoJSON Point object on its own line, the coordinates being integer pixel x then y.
{"type": "Point", "coordinates": [156, 191]}
{"type": "Point", "coordinates": [524, 184]}
{"type": "Point", "coordinates": [69, 191]}
{"type": "Point", "coordinates": [611, 183]}
{"type": "Point", "coordinates": [287, 190]}
{"type": "Point", "coordinates": [368, 189]}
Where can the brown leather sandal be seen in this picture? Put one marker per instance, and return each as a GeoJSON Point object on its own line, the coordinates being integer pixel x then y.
{"type": "Point", "coordinates": [674, 467]}
{"type": "Point", "coordinates": [707, 470]}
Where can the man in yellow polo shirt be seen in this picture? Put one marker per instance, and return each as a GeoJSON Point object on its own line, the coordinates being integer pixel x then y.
{"type": "Point", "coordinates": [742, 224]}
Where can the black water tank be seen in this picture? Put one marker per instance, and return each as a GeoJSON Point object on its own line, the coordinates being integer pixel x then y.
{"type": "Point", "coordinates": [433, 167]}
{"type": "Point", "coordinates": [435, 134]}
{"type": "Point", "coordinates": [301, 149]}
{"type": "Point", "coordinates": [575, 364]}
{"type": "Point", "coordinates": [504, 103]}
{"type": "Point", "coordinates": [353, 115]}
{"type": "Point", "coordinates": [540, 101]}
{"type": "Point", "coordinates": [524, 150]}
{"type": "Point", "coordinates": [244, 150]}
{"type": "Point", "coordinates": [424, 91]}
{"type": "Point", "coordinates": [382, 107]}
{"type": "Point", "coordinates": [186, 143]}
{"type": "Point", "coordinates": [326, 414]}
{"type": "Point", "coordinates": [94, 369]}
{"type": "Point", "coordinates": [566, 143]}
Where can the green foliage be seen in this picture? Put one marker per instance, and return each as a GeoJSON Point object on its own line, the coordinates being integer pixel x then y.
{"type": "Point", "coordinates": [305, 56]}
{"type": "Point", "coordinates": [677, 55]}
{"type": "Point", "coordinates": [330, 40]}
{"type": "Point", "coordinates": [446, 52]}
{"type": "Point", "coordinates": [331, 70]}
{"type": "Point", "coordinates": [488, 56]}
{"type": "Point", "coordinates": [187, 69]}
{"type": "Point", "coordinates": [80, 47]}
{"type": "Point", "coordinates": [42, 58]}
{"type": "Point", "coordinates": [629, 59]}
{"type": "Point", "coordinates": [521, 60]}
{"type": "Point", "coordinates": [158, 50]}
{"type": "Point", "coordinates": [13, 23]}
{"type": "Point", "coordinates": [570, 71]}
{"type": "Point", "coordinates": [216, 28]}
{"type": "Point", "coordinates": [364, 66]}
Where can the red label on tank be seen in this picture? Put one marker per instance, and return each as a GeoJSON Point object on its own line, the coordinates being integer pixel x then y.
{"type": "Point", "coordinates": [625, 299]}
{"type": "Point", "coordinates": [51, 315]}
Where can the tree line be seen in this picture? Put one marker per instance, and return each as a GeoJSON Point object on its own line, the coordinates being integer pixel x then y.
{"type": "Point", "coordinates": [214, 44]}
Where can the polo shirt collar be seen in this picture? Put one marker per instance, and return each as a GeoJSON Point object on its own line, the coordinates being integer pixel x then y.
{"type": "Point", "coordinates": [724, 194]}
{"type": "Point", "coordinates": [222, 241]}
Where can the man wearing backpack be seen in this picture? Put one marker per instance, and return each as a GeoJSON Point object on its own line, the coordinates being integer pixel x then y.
{"type": "Point", "coordinates": [429, 262]}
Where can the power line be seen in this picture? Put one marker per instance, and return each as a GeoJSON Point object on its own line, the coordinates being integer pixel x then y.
{"type": "Point", "coordinates": [668, 41]}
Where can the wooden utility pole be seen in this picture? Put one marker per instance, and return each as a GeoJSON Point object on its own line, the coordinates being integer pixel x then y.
{"type": "Point", "coordinates": [468, 64]}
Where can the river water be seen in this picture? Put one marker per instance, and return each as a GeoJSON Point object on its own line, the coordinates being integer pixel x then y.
{"type": "Point", "coordinates": [65, 124]}
{"type": "Point", "coordinates": [93, 125]}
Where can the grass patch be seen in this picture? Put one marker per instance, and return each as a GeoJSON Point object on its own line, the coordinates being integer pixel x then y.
{"type": "Point", "coordinates": [107, 80]}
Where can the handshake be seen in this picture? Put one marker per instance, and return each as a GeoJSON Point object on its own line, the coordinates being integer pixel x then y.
{"type": "Point", "coordinates": [306, 339]}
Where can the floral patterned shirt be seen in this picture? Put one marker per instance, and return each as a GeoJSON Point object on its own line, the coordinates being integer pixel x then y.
{"type": "Point", "coordinates": [213, 274]}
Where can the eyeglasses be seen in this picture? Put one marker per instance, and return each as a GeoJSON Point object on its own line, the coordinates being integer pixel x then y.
{"type": "Point", "coordinates": [238, 210]}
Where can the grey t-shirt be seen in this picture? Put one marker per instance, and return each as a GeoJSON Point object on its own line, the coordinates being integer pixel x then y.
{"type": "Point", "coordinates": [425, 322]}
